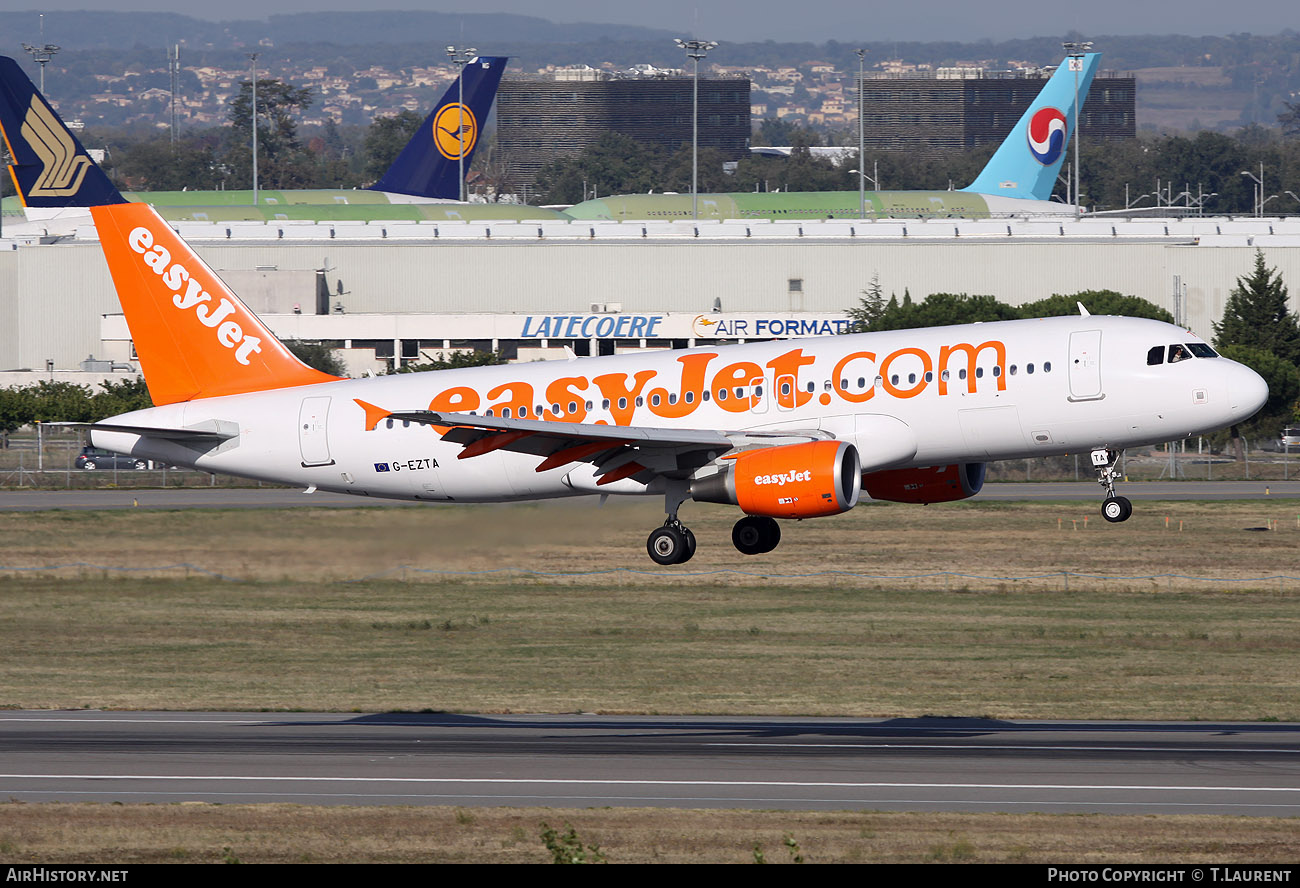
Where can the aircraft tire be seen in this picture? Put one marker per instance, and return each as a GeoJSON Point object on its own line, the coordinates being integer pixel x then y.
{"type": "Point", "coordinates": [754, 535]}
{"type": "Point", "coordinates": [668, 545]}
{"type": "Point", "coordinates": [1116, 509]}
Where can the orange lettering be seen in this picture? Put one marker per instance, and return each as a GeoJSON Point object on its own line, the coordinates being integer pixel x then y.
{"type": "Point", "coordinates": [920, 384]}
{"type": "Point", "coordinates": [521, 397]}
{"type": "Point", "coordinates": [662, 404]}
{"type": "Point", "coordinates": [622, 400]}
{"type": "Point", "coordinates": [730, 378]}
{"type": "Point", "coordinates": [972, 353]}
{"type": "Point", "coordinates": [563, 393]}
{"type": "Point", "coordinates": [785, 365]}
{"type": "Point", "coordinates": [453, 400]}
{"type": "Point", "coordinates": [838, 383]}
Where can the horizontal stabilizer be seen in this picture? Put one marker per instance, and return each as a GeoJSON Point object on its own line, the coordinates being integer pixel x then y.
{"type": "Point", "coordinates": [210, 430]}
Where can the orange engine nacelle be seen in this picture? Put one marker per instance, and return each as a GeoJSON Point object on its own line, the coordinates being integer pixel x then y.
{"type": "Point", "coordinates": [930, 484]}
{"type": "Point", "coordinates": [793, 481]}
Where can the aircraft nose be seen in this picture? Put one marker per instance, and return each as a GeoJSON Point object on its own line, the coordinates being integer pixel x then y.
{"type": "Point", "coordinates": [1247, 391]}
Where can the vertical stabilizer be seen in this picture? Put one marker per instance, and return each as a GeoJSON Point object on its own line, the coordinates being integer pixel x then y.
{"type": "Point", "coordinates": [49, 168]}
{"type": "Point", "coordinates": [1029, 159]}
{"type": "Point", "coordinates": [429, 165]}
{"type": "Point", "coordinates": [194, 337]}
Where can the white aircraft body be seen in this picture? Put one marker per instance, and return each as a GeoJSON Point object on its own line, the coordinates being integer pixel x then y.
{"type": "Point", "coordinates": [783, 429]}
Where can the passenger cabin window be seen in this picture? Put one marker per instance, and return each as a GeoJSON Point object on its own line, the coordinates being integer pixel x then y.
{"type": "Point", "coordinates": [1156, 356]}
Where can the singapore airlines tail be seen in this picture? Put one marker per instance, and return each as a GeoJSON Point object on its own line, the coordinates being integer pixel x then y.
{"type": "Point", "coordinates": [195, 338]}
{"type": "Point", "coordinates": [50, 169]}
{"type": "Point", "coordinates": [430, 164]}
{"type": "Point", "coordinates": [1029, 159]}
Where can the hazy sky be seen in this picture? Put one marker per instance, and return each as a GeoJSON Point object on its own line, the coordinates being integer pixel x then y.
{"type": "Point", "coordinates": [844, 20]}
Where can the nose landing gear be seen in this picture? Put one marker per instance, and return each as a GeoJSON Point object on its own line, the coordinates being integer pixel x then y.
{"type": "Point", "coordinates": [1115, 508]}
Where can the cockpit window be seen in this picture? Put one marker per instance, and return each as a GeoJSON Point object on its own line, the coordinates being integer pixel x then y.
{"type": "Point", "coordinates": [1156, 356]}
{"type": "Point", "coordinates": [1179, 353]}
{"type": "Point", "coordinates": [1201, 350]}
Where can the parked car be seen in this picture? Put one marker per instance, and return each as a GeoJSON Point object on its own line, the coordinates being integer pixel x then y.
{"type": "Point", "coordinates": [93, 458]}
{"type": "Point", "coordinates": [1291, 436]}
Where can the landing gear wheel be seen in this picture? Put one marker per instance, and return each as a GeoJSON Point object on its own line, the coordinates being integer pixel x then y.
{"type": "Point", "coordinates": [690, 545]}
{"type": "Point", "coordinates": [754, 535]}
{"type": "Point", "coordinates": [668, 545]}
{"type": "Point", "coordinates": [1116, 509]}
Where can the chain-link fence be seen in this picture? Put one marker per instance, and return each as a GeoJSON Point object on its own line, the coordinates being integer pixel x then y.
{"type": "Point", "coordinates": [48, 460]}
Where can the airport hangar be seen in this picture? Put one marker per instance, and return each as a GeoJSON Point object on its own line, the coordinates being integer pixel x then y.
{"type": "Point", "coordinates": [538, 290]}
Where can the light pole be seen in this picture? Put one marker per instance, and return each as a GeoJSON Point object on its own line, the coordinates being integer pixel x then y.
{"type": "Point", "coordinates": [43, 53]}
{"type": "Point", "coordinates": [1259, 188]}
{"type": "Point", "coordinates": [252, 60]}
{"type": "Point", "coordinates": [1076, 52]}
{"type": "Point", "coordinates": [460, 57]}
{"type": "Point", "coordinates": [862, 165]}
{"type": "Point", "coordinates": [696, 50]}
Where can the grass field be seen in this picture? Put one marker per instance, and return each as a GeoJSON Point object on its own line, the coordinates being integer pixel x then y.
{"type": "Point", "coordinates": [1185, 612]}
{"type": "Point", "coordinates": [201, 833]}
{"type": "Point", "coordinates": [886, 611]}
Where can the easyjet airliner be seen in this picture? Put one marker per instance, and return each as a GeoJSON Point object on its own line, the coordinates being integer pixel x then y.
{"type": "Point", "coordinates": [783, 430]}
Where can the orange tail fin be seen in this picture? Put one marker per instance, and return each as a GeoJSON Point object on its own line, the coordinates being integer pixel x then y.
{"type": "Point", "coordinates": [195, 338]}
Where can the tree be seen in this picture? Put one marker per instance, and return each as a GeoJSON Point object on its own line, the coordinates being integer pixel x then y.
{"type": "Point", "coordinates": [455, 360]}
{"type": "Point", "coordinates": [15, 412]}
{"type": "Point", "coordinates": [157, 165]}
{"type": "Point", "coordinates": [1283, 389]}
{"type": "Point", "coordinates": [120, 397]}
{"type": "Point", "coordinates": [386, 138]}
{"type": "Point", "coordinates": [870, 307]}
{"type": "Point", "coordinates": [317, 355]}
{"type": "Point", "coordinates": [1289, 119]}
{"type": "Point", "coordinates": [936, 310]}
{"type": "Point", "coordinates": [1098, 302]}
{"type": "Point", "coordinates": [613, 164]}
{"type": "Point", "coordinates": [282, 162]}
{"type": "Point", "coordinates": [1256, 315]}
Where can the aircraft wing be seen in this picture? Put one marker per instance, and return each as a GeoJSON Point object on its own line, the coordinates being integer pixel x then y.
{"type": "Point", "coordinates": [617, 451]}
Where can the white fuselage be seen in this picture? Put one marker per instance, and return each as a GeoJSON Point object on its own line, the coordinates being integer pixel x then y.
{"type": "Point", "coordinates": [923, 397]}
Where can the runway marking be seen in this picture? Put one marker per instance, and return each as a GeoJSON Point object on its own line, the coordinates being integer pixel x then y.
{"type": "Point", "coordinates": [538, 781]}
{"type": "Point", "coordinates": [728, 800]}
{"type": "Point", "coordinates": [1026, 747]}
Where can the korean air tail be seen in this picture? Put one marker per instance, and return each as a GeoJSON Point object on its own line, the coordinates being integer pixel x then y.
{"type": "Point", "coordinates": [194, 337]}
{"type": "Point", "coordinates": [429, 165]}
{"type": "Point", "coordinates": [1029, 159]}
{"type": "Point", "coordinates": [49, 168]}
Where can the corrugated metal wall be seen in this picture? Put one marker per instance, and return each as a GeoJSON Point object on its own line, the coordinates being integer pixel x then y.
{"type": "Point", "coordinates": [53, 295]}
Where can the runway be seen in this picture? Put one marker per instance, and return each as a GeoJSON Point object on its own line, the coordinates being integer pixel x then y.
{"type": "Point", "coordinates": [284, 498]}
{"type": "Point", "coordinates": [705, 762]}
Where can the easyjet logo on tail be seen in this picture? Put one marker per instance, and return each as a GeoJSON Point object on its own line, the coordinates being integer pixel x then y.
{"type": "Point", "coordinates": [62, 170]}
{"type": "Point", "coordinates": [190, 296]}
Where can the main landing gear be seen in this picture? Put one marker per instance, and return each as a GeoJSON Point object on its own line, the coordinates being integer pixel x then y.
{"type": "Point", "coordinates": [673, 543]}
{"type": "Point", "coordinates": [754, 535]}
{"type": "Point", "coordinates": [1115, 508]}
